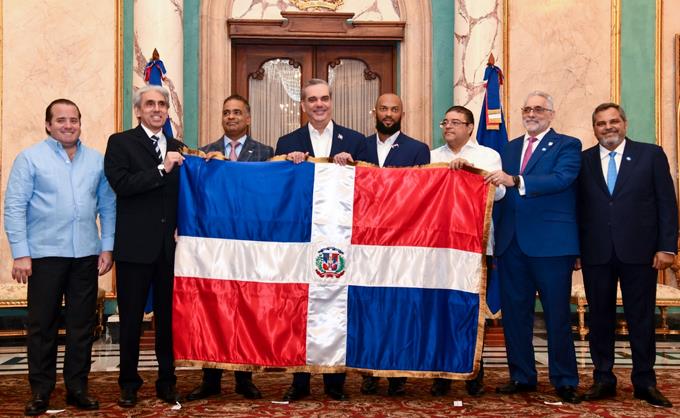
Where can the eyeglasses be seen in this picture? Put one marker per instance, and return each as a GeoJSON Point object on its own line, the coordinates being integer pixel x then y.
{"type": "Point", "coordinates": [453, 122]}
{"type": "Point", "coordinates": [536, 109]}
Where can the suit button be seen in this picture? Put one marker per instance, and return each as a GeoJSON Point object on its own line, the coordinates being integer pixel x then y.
{"type": "Point", "coordinates": [611, 203]}
{"type": "Point", "coordinates": [162, 220]}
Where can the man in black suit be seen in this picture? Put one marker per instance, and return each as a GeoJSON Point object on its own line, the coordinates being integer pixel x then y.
{"type": "Point", "coordinates": [628, 230]}
{"type": "Point", "coordinates": [140, 165]}
{"type": "Point", "coordinates": [321, 138]}
{"type": "Point", "coordinates": [236, 145]}
{"type": "Point", "coordinates": [389, 147]}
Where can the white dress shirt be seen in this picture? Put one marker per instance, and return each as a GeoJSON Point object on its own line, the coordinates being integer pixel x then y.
{"type": "Point", "coordinates": [520, 187]}
{"type": "Point", "coordinates": [162, 142]}
{"type": "Point", "coordinates": [604, 158]}
{"type": "Point", "coordinates": [385, 147]}
{"type": "Point", "coordinates": [321, 141]}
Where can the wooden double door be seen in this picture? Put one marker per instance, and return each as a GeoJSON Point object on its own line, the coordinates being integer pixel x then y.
{"type": "Point", "coordinates": [271, 75]}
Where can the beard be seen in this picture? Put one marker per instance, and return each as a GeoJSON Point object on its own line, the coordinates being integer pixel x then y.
{"type": "Point", "coordinates": [387, 130]}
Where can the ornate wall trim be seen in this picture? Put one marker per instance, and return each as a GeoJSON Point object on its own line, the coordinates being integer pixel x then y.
{"type": "Point", "coordinates": [615, 53]}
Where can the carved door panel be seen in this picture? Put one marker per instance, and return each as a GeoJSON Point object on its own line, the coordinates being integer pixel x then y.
{"type": "Point", "coordinates": [271, 76]}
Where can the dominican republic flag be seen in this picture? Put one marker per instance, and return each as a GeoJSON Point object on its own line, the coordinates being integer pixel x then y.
{"type": "Point", "coordinates": [321, 268]}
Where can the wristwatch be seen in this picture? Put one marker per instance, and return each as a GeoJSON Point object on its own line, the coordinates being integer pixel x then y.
{"type": "Point", "coordinates": [515, 181]}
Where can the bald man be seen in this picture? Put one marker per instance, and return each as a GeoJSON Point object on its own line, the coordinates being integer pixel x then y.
{"type": "Point", "coordinates": [389, 147]}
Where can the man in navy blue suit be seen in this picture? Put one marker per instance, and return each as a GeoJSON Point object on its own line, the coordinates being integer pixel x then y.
{"type": "Point", "coordinates": [320, 138]}
{"type": "Point", "coordinates": [537, 244]}
{"type": "Point", "coordinates": [389, 147]}
{"type": "Point", "coordinates": [629, 230]}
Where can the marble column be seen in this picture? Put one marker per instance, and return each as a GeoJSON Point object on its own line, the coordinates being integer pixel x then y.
{"type": "Point", "coordinates": [478, 31]}
{"type": "Point", "coordinates": [158, 24]}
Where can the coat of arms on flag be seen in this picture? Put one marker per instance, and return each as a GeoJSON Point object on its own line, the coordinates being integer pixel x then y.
{"type": "Point", "coordinates": [320, 267]}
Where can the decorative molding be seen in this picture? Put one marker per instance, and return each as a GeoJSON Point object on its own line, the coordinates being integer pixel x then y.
{"type": "Point", "coordinates": [615, 52]}
{"type": "Point", "coordinates": [658, 67]}
{"type": "Point", "coordinates": [118, 77]}
{"type": "Point", "coordinates": [307, 5]}
{"type": "Point", "coordinates": [296, 25]}
{"type": "Point", "coordinates": [506, 62]}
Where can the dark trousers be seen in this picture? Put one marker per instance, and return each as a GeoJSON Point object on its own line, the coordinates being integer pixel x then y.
{"type": "Point", "coordinates": [638, 288]}
{"type": "Point", "coordinates": [132, 284]}
{"type": "Point", "coordinates": [74, 280]}
{"type": "Point", "coordinates": [330, 380]}
{"type": "Point", "coordinates": [213, 377]}
{"type": "Point", "coordinates": [521, 276]}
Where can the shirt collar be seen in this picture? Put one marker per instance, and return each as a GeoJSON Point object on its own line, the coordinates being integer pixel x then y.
{"type": "Point", "coordinates": [604, 152]}
{"type": "Point", "coordinates": [241, 140]}
{"type": "Point", "coordinates": [468, 145]}
{"type": "Point", "coordinates": [328, 130]}
{"type": "Point", "coordinates": [149, 132]}
{"type": "Point", "coordinates": [389, 141]}
{"type": "Point", "coordinates": [538, 137]}
{"type": "Point", "coordinates": [57, 145]}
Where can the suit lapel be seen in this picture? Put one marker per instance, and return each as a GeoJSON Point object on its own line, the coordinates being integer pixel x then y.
{"type": "Point", "coordinates": [247, 150]}
{"type": "Point", "coordinates": [393, 151]}
{"type": "Point", "coordinates": [145, 141]}
{"type": "Point", "coordinates": [372, 150]}
{"type": "Point", "coordinates": [514, 151]}
{"type": "Point", "coordinates": [336, 140]}
{"type": "Point", "coordinates": [307, 140]}
{"type": "Point", "coordinates": [628, 161]}
{"type": "Point", "coordinates": [595, 165]}
{"type": "Point", "coordinates": [541, 149]}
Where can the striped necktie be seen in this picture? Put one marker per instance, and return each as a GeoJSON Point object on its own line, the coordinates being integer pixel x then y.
{"type": "Point", "coordinates": [155, 139]}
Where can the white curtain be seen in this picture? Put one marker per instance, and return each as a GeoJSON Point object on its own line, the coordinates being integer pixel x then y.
{"type": "Point", "coordinates": [353, 95]}
{"type": "Point", "coordinates": [275, 101]}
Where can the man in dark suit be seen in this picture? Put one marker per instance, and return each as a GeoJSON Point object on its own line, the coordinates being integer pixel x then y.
{"type": "Point", "coordinates": [320, 138]}
{"type": "Point", "coordinates": [629, 230]}
{"type": "Point", "coordinates": [389, 147]}
{"type": "Point", "coordinates": [140, 166]}
{"type": "Point", "coordinates": [537, 244]}
{"type": "Point", "coordinates": [237, 145]}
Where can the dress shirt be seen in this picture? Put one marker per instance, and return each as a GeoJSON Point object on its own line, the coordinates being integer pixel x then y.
{"type": "Point", "coordinates": [604, 158]}
{"type": "Point", "coordinates": [52, 202]}
{"type": "Point", "coordinates": [482, 157]}
{"type": "Point", "coordinates": [520, 187]}
{"type": "Point", "coordinates": [321, 142]}
{"type": "Point", "coordinates": [162, 142]}
{"type": "Point", "coordinates": [385, 147]}
{"type": "Point", "coordinates": [227, 145]}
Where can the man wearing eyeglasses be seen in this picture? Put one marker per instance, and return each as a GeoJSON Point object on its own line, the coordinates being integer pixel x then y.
{"type": "Point", "coordinates": [537, 244]}
{"type": "Point", "coordinates": [459, 152]}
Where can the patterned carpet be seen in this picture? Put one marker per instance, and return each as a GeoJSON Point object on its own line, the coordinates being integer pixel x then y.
{"type": "Point", "coordinates": [418, 403]}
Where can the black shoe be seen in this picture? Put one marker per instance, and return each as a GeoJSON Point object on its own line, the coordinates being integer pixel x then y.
{"type": "Point", "coordinates": [515, 387]}
{"type": "Point", "coordinates": [440, 387]}
{"type": "Point", "coordinates": [474, 387]}
{"type": "Point", "coordinates": [248, 390]}
{"type": "Point", "coordinates": [568, 394]}
{"type": "Point", "coordinates": [369, 386]}
{"type": "Point", "coordinates": [600, 391]}
{"type": "Point", "coordinates": [168, 394]}
{"type": "Point", "coordinates": [652, 396]}
{"type": "Point", "coordinates": [37, 405]}
{"type": "Point", "coordinates": [128, 398]}
{"type": "Point", "coordinates": [295, 393]}
{"type": "Point", "coordinates": [81, 401]}
{"type": "Point", "coordinates": [397, 386]}
{"type": "Point", "coordinates": [336, 393]}
{"type": "Point", "coordinates": [203, 391]}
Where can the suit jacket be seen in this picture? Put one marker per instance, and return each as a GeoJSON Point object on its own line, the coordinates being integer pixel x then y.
{"type": "Point", "coordinates": [344, 140]}
{"type": "Point", "coordinates": [544, 219]}
{"type": "Point", "coordinates": [251, 150]}
{"type": "Point", "coordinates": [406, 152]}
{"type": "Point", "coordinates": [639, 219]}
{"type": "Point", "coordinates": [146, 209]}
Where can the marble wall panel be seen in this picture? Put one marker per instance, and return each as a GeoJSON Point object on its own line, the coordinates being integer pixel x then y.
{"type": "Point", "coordinates": [367, 10]}
{"type": "Point", "coordinates": [555, 47]}
{"type": "Point", "coordinates": [669, 68]}
{"type": "Point", "coordinates": [52, 49]}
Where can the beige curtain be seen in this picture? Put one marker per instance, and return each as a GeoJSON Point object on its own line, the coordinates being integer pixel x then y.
{"type": "Point", "coordinates": [353, 95]}
{"type": "Point", "coordinates": [275, 101]}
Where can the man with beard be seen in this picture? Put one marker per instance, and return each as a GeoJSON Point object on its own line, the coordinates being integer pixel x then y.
{"type": "Point", "coordinates": [236, 145]}
{"type": "Point", "coordinates": [629, 230]}
{"type": "Point", "coordinates": [389, 147]}
{"type": "Point", "coordinates": [537, 244]}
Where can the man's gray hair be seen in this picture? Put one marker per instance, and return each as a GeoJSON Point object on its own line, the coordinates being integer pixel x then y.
{"type": "Point", "coordinates": [544, 95]}
{"type": "Point", "coordinates": [314, 82]}
{"type": "Point", "coordinates": [137, 98]}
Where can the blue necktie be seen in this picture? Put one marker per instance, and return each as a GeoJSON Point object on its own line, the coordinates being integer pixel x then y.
{"type": "Point", "coordinates": [611, 172]}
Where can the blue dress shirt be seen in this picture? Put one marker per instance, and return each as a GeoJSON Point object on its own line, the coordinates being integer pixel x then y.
{"type": "Point", "coordinates": [52, 203]}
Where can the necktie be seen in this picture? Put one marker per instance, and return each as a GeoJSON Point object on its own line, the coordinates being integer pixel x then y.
{"type": "Point", "coordinates": [611, 172]}
{"type": "Point", "coordinates": [155, 139]}
{"type": "Point", "coordinates": [527, 153]}
{"type": "Point", "coordinates": [232, 152]}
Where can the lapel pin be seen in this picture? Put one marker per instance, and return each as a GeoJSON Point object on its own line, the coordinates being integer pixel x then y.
{"type": "Point", "coordinates": [394, 146]}
{"type": "Point", "coordinates": [250, 151]}
{"type": "Point", "coordinates": [627, 158]}
{"type": "Point", "coordinates": [340, 137]}
{"type": "Point", "coordinates": [550, 144]}
{"type": "Point", "coordinates": [544, 149]}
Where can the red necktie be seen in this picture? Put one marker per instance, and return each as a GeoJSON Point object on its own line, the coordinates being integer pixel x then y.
{"type": "Point", "coordinates": [232, 153]}
{"type": "Point", "coordinates": [527, 154]}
